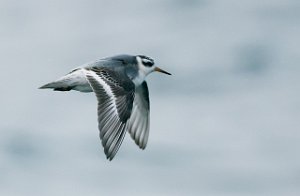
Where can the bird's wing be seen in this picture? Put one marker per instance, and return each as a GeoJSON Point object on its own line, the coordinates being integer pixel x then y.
{"type": "Point", "coordinates": [115, 94]}
{"type": "Point", "coordinates": [139, 121]}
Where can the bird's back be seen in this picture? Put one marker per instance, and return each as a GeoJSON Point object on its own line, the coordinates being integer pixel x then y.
{"type": "Point", "coordinates": [112, 62]}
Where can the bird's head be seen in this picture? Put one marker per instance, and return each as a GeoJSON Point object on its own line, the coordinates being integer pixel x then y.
{"type": "Point", "coordinates": [146, 64]}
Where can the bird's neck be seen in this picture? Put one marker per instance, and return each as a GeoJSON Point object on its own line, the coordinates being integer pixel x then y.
{"type": "Point", "coordinates": [140, 77]}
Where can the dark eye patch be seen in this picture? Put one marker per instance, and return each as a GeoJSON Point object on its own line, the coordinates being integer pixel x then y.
{"type": "Point", "coordinates": [148, 63]}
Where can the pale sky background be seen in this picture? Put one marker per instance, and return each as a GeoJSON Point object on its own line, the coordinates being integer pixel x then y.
{"type": "Point", "coordinates": [226, 122]}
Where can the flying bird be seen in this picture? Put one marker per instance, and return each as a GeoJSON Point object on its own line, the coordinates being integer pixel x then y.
{"type": "Point", "coordinates": [122, 94]}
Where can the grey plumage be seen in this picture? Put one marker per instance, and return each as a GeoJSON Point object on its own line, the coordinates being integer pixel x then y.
{"type": "Point", "coordinates": [122, 94]}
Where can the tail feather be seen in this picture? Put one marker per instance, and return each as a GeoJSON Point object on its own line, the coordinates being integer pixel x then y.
{"type": "Point", "coordinates": [63, 88]}
{"type": "Point", "coordinates": [74, 80]}
{"type": "Point", "coordinates": [57, 86]}
{"type": "Point", "coordinates": [49, 85]}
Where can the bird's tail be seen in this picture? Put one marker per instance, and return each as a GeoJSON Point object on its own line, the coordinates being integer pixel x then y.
{"type": "Point", "coordinates": [62, 84]}
{"type": "Point", "coordinates": [74, 80]}
{"type": "Point", "coordinates": [59, 85]}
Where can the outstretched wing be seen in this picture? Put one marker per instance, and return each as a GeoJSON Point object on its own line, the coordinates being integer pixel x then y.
{"type": "Point", "coordinates": [140, 119]}
{"type": "Point", "coordinates": [115, 94]}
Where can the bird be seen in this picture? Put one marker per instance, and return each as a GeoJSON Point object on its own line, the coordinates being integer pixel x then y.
{"type": "Point", "coordinates": [122, 94]}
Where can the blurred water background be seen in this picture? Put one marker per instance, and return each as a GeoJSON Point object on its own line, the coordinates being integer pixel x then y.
{"type": "Point", "coordinates": [226, 123]}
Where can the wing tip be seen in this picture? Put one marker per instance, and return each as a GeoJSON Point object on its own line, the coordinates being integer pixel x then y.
{"type": "Point", "coordinates": [109, 155]}
{"type": "Point", "coordinates": [110, 158]}
{"type": "Point", "coordinates": [143, 147]}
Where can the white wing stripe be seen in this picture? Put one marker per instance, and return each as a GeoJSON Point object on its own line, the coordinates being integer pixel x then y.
{"type": "Point", "coordinates": [115, 101]}
{"type": "Point", "coordinates": [102, 82]}
{"type": "Point", "coordinates": [107, 90]}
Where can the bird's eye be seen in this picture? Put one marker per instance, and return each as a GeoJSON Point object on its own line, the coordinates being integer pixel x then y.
{"type": "Point", "coordinates": [148, 63]}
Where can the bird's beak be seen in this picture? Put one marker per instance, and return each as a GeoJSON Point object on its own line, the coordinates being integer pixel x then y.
{"type": "Point", "coordinates": [162, 71]}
